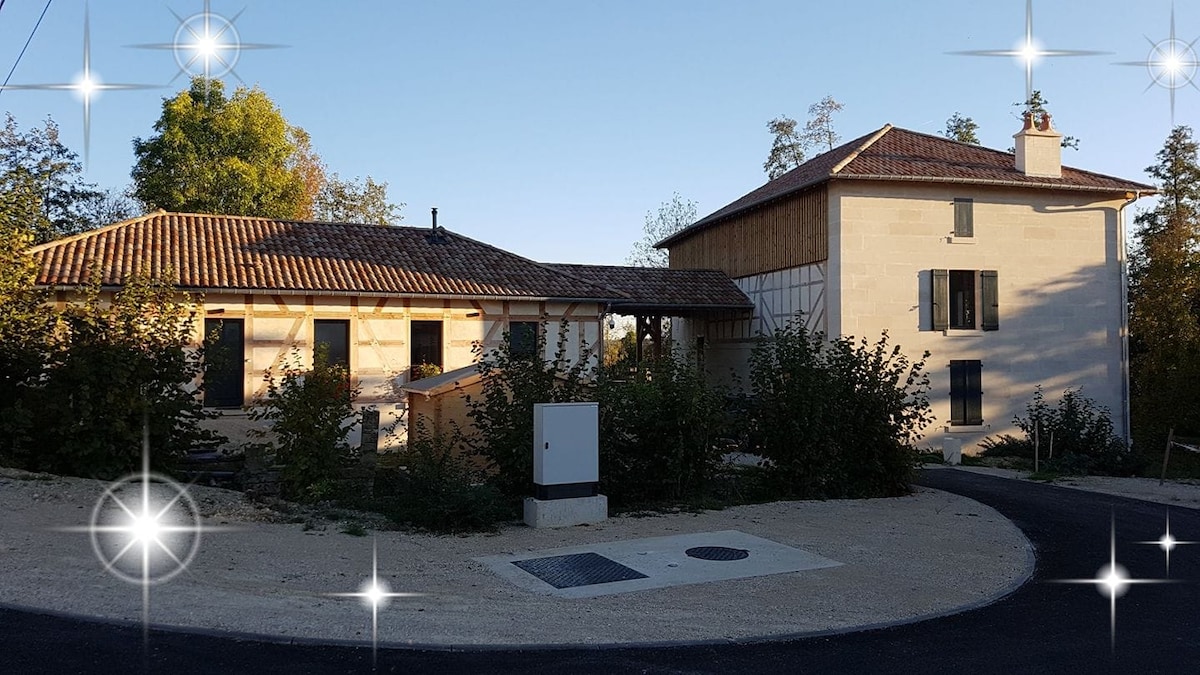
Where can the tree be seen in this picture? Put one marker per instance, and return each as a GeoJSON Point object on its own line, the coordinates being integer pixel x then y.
{"type": "Point", "coordinates": [1164, 294]}
{"type": "Point", "coordinates": [787, 150]}
{"type": "Point", "coordinates": [789, 146]}
{"type": "Point", "coordinates": [672, 217]}
{"type": "Point", "coordinates": [961, 129]}
{"type": "Point", "coordinates": [214, 154]}
{"type": "Point", "coordinates": [42, 181]}
{"type": "Point", "coordinates": [355, 201]}
{"type": "Point", "coordinates": [1036, 106]}
{"type": "Point", "coordinates": [818, 131]}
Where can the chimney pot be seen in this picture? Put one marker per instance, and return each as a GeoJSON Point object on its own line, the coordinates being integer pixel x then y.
{"type": "Point", "coordinates": [1038, 148]}
{"type": "Point", "coordinates": [434, 212]}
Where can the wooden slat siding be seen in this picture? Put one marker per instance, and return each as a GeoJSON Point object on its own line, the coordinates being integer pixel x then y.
{"type": "Point", "coordinates": [791, 232]}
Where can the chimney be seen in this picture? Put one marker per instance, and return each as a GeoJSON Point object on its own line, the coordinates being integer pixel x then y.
{"type": "Point", "coordinates": [1039, 148]}
{"type": "Point", "coordinates": [434, 210]}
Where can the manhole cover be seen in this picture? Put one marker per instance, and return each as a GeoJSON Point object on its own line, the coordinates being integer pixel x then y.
{"type": "Point", "coordinates": [722, 553]}
{"type": "Point", "coordinates": [578, 569]}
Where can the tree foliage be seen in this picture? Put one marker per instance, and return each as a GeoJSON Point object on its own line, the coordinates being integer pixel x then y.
{"type": "Point", "coordinates": [1036, 105]}
{"type": "Point", "coordinates": [672, 217]}
{"type": "Point", "coordinates": [355, 201]}
{"type": "Point", "coordinates": [837, 418]}
{"type": "Point", "coordinates": [818, 131]}
{"type": "Point", "coordinates": [103, 366]}
{"type": "Point", "coordinates": [961, 129]}
{"type": "Point", "coordinates": [41, 183]}
{"type": "Point", "coordinates": [790, 146]}
{"type": "Point", "coordinates": [502, 414]}
{"type": "Point", "coordinates": [787, 148]}
{"type": "Point", "coordinates": [1164, 294]}
{"type": "Point", "coordinates": [238, 155]}
{"type": "Point", "coordinates": [311, 412]}
{"type": "Point", "coordinates": [218, 154]}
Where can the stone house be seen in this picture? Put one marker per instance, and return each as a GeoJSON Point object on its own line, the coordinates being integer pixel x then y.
{"type": "Point", "coordinates": [1009, 269]}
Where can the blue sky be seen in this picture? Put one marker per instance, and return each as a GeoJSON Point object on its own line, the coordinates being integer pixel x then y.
{"type": "Point", "coordinates": [551, 128]}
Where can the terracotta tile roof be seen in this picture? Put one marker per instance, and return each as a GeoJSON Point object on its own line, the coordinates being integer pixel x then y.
{"type": "Point", "coordinates": [892, 153]}
{"type": "Point", "coordinates": [212, 252]}
{"type": "Point", "coordinates": [649, 287]}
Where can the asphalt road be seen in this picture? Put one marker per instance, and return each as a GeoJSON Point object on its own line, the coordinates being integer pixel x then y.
{"type": "Point", "coordinates": [1044, 627]}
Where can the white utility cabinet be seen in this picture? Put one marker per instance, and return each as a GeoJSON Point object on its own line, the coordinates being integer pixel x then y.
{"type": "Point", "coordinates": [566, 443]}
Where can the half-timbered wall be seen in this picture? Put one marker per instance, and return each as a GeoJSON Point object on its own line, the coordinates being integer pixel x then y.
{"type": "Point", "coordinates": [279, 329]}
{"type": "Point", "coordinates": [787, 233]}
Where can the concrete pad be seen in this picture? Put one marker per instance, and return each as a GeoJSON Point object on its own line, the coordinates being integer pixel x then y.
{"type": "Point", "coordinates": [664, 562]}
{"type": "Point", "coordinates": [565, 512]}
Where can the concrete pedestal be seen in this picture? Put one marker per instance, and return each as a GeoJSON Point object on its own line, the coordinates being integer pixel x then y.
{"type": "Point", "coordinates": [565, 512]}
{"type": "Point", "coordinates": [952, 451]}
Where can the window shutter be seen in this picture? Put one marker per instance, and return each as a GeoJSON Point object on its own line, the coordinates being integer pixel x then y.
{"type": "Point", "coordinates": [974, 394]}
{"type": "Point", "coordinates": [988, 286]}
{"type": "Point", "coordinates": [964, 217]}
{"type": "Point", "coordinates": [958, 380]}
{"type": "Point", "coordinates": [941, 299]}
{"type": "Point", "coordinates": [966, 393]}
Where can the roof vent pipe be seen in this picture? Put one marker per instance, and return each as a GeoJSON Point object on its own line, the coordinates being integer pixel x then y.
{"type": "Point", "coordinates": [434, 210]}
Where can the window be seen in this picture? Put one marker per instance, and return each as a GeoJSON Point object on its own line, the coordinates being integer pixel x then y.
{"type": "Point", "coordinates": [965, 299]}
{"type": "Point", "coordinates": [426, 343]}
{"type": "Point", "coordinates": [335, 334]}
{"type": "Point", "coordinates": [966, 394]}
{"type": "Point", "coordinates": [224, 362]}
{"type": "Point", "coordinates": [964, 217]}
{"type": "Point", "coordinates": [522, 336]}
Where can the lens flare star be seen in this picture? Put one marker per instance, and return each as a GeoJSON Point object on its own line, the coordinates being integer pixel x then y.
{"type": "Point", "coordinates": [206, 45]}
{"type": "Point", "coordinates": [375, 594]}
{"type": "Point", "coordinates": [1172, 63]}
{"type": "Point", "coordinates": [1112, 581]}
{"type": "Point", "coordinates": [1028, 51]}
{"type": "Point", "coordinates": [86, 86]}
{"type": "Point", "coordinates": [145, 529]}
{"type": "Point", "coordinates": [1167, 542]}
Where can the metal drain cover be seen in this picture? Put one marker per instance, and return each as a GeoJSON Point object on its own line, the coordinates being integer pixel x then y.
{"type": "Point", "coordinates": [722, 553]}
{"type": "Point", "coordinates": [578, 569]}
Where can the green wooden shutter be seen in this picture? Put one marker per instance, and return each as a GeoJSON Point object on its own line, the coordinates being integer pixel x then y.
{"type": "Point", "coordinates": [940, 294]}
{"type": "Point", "coordinates": [964, 217]}
{"type": "Point", "coordinates": [988, 286]}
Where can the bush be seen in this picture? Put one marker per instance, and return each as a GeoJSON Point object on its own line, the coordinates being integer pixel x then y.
{"type": "Point", "coordinates": [659, 432]}
{"type": "Point", "coordinates": [310, 415]}
{"type": "Point", "coordinates": [839, 418]}
{"type": "Point", "coordinates": [1073, 437]}
{"type": "Point", "coordinates": [503, 413]}
{"type": "Point", "coordinates": [106, 369]}
{"type": "Point", "coordinates": [437, 489]}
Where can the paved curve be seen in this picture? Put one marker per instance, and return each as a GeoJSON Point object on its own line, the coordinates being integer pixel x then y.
{"type": "Point", "coordinates": [1042, 627]}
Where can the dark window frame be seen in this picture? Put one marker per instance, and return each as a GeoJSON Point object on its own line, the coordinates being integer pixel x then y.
{"type": "Point", "coordinates": [338, 354]}
{"type": "Point", "coordinates": [523, 337]}
{"type": "Point", "coordinates": [966, 393]}
{"type": "Point", "coordinates": [965, 300]}
{"type": "Point", "coordinates": [962, 299]}
{"type": "Point", "coordinates": [425, 328]}
{"type": "Point", "coordinates": [225, 388]}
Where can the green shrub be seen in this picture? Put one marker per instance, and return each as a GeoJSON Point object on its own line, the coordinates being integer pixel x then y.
{"type": "Point", "coordinates": [659, 431]}
{"type": "Point", "coordinates": [1075, 436]}
{"type": "Point", "coordinates": [436, 488]}
{"type": "Point", "coordinates": [1007, 445]}
{"type": "Point", "coordinates": [502, 414]}
{"type": "Point", "coordinates": [310, 414]}
{"type": "Point", "coordinates": [107, 367]}
{"type": "Point", "coordinates": [837, 418]}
